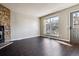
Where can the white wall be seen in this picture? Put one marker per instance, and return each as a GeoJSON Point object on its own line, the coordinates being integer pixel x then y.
{"type": "Point", "coordinates": [23, 26]}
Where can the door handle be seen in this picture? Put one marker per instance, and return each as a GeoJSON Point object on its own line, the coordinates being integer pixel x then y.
{"type": "Point", "coordinates": [70, 27]}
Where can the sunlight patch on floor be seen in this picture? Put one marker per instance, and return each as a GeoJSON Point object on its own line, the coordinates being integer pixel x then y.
{"type": "Point", "coordinates": [64, 43]}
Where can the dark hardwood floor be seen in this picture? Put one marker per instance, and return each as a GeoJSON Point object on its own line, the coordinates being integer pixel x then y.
{"type": "Point", "coordinates": [39, 46]}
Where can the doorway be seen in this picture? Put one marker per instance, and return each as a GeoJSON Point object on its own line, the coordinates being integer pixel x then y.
{"type": "Point", "coordinates": [74, 27]}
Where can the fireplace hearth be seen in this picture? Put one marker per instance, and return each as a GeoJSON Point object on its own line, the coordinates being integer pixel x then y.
{"type": "Point", "coordinates": [1, 34]}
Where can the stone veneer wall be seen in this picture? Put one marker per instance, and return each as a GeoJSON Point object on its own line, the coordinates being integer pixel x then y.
{"type": "Point", "coordinates": [5, 21]}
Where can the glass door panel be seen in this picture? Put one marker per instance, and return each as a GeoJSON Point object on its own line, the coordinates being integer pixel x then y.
{"type": "Point", "coordinates": [52, 27]}
{"type": "Point", "coordinates": [48, 26]}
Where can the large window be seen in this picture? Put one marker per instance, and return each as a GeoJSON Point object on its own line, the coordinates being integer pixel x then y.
{"type": "Point", "coordinates": [52, 26]}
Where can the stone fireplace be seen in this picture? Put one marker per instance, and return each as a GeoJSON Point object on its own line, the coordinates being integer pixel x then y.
{"type": "Point", "coordinates": [5, 31]}
{"type": "Point", "coordinates": [5, 34]}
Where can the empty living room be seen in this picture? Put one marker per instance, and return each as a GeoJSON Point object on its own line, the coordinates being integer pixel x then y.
{"type": "Point", "coordinates": [39, 29]}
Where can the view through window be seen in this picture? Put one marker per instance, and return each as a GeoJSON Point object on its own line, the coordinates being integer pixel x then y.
{"type": "Point", "coordinates": [52, 26]}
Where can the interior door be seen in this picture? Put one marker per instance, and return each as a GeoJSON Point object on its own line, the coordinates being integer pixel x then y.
{"type": "Point", "coordinates": [74, 27]}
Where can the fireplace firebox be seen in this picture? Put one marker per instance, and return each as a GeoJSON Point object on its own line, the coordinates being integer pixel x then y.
{"type": "Point", "coordinates": [1, 34]}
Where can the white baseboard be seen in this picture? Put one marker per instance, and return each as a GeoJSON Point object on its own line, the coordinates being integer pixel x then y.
{"type": "Point", "coordinates": [38, 36]}
{"type": "Point", "coordinates": [57, 38]}
{"type": "Point", "coordinates": [23, 38]}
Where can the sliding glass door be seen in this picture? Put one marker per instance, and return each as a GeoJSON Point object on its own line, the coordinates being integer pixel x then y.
{"type": "Point", "coordinates": [52, 26]}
